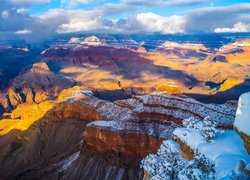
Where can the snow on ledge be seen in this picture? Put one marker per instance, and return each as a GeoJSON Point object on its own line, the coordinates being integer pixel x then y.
{"type": "Point", "coordinates": [226, 150]}
{"type": "Point", "coordinates": [191, 137]}
{"type": "Point", "coordinates": [242, 119]}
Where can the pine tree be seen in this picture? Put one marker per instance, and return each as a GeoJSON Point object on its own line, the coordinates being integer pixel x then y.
{"type": "Point", "coordinates": [192, 123]}
{"type": "Point", "coordinates": [200, 168]}
{"type": "Point", "coordinates": [166, 164]}
{"type": "Point", "coordinates": [209, 129]}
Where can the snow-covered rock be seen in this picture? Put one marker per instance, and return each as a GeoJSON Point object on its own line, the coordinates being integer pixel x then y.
{"type": "Point", "coordinates": [226, 150]}
{"type": "Point", "coordinates": [76, 43]}
{"type": "Point", "coordinates": [172, 45]}
{"type": "Point", "coordinates": [242, 119]}
{"type": "Point", "coordinates": [74, 40]}
{"type": "Point", "coordinates": [191, 137]}
{"type": "Point", "coordinates": [92, 39]}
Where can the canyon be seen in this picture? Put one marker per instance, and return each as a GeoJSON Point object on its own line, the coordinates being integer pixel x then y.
{"type": "Point", "coordinates": [93, 108]}
{"type": "Point", "coordinates": [83, 136]}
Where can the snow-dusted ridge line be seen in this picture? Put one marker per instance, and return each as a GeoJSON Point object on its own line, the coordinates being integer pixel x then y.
{"type": "Point", "coordinates": [217, 112]}
{"type": "Point", "coordinates": [127, 128]}
{"type": "Point", "coordinates": [177, 108]}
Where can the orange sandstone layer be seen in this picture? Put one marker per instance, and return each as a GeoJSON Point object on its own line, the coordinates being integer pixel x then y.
{"type": "Point", "coordinates": [126, 144]}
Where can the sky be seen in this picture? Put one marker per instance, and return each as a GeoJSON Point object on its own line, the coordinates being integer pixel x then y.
{"type": "Point", "coordinates": [40, 19]}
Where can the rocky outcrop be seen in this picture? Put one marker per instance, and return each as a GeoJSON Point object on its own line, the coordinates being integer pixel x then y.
{"type": "Point", "coordinates": [15, 60]}
{"type": "Point", "coordinates": [186, 151]}
{"type": "Point", "coordinates": [230, 83]}
{"type": "Point", "coordinates": [169, 89]}
{"type": "Point", "coordinates": [123, 142]}
{"type": "Point", "coordinates": [92, 39]}
{"type": "Point", "coordinates": [127, 136]}
{"type": "Point", "coordinates": [242, 122]}
{"type": "Point", "coordinates": [42, 77]}
{"type": "Point", "coordinates": [74, 110]}
{"type": "Point", "coordinates": [36, 85]}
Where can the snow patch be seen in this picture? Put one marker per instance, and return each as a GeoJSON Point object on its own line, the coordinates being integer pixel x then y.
{"type": "Point", "coordinates": [242, 120]}
{"type": "Point", "coordinates": [191, 137]}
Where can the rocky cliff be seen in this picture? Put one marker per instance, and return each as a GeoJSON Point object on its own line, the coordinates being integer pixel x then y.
{"type": "Point", "coordinates": [83, 136]}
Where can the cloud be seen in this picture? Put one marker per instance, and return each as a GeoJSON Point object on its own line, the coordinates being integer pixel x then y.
{"type": "Point", "coordinates": [209, 18]}
{"type": "Point", "coordinates": [198, 20]}
{"type": "Point", "coordinates": [165, 2]}
{"type": "Point", "coordinates": [82, 21]}
{"type": "Point", "coordinates": [23, 32]}
{"type": "Point", "coordinates": [152, 23]}
{"type": "Point", "coordinates": [16, 20]}
{"type": "Point", "coordinates": [72, 21]}
{"type": "Point", "coordinates": [238, 27]}
{"type": "Point", "coordinates": [54, 21]}
{"type": "Point", "coordinates": [74, 3]}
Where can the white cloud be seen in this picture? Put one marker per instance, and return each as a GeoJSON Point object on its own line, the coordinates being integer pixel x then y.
{"type": "Point", "coordinates": [151, 23]}
{"type": "Point", "coordinates": [80, 26]}
{"type": "Point", "coordinates": [165, 2]}
{"type": "Point", "coordinates": [75, 3]}
{"type": "Point", "coordinates": [23, 32]}
{"type": "Point", "coordinates": [22, 11]}
{"type": "Point", "coordinates": [85, 21]}
{"type": "Point", "coordinates": [197, 20]}
{"type": "Point", "coordinates": [70, 21]}
{"type": "Point", "coordinates": [238, 27]}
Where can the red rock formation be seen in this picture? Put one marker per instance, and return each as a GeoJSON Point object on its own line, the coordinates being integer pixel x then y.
{"type": "Point", "coordinates": [123, 143]}
{"type": "Point", "coordinates": [36, 85]}
{"type": "Point", "coordinates": [78, 111]}
{"type": "Point", "coordinates": [138, 125]}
